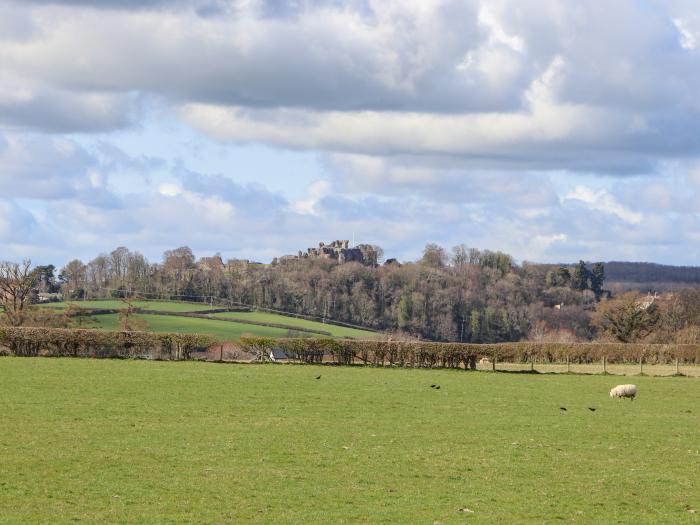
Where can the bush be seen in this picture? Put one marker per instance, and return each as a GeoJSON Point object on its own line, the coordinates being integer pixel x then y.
{"type": "Point", "coordinates": [457, 355]}
{"type": "Point", "coordinates": [55, 342]}
{"type": "Point", "coordinates": [26, 341]}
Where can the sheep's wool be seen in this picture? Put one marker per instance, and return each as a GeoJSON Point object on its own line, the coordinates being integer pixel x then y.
{"type": "Point", "coordinates": [624, 391]}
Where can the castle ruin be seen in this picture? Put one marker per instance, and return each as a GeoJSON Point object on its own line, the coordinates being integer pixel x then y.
{"type": "Point", "coordinates": [339, 251]}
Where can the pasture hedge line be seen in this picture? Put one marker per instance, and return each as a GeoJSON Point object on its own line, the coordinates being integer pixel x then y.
{"type": "Point", "coordinates": [459, 355]}
{"type": "Point", "coordinates": [26, 341]}
{"type": "Point", "coordinates": [64, 342]}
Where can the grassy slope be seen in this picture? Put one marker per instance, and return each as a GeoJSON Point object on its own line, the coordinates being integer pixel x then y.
{"type": "Point", "coordinates": [165, 323]}
{"type": "Point", "coordinates": [263, 317]}
{"type": "Point", "coordinates": [164, 306]}
{"type": "Point", "coordinates": [214, 328]}
{"type": "Point", "coordinates": [156, 442]}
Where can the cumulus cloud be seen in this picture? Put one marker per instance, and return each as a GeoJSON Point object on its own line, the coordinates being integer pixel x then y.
{"type": "Point", "coordinates": [213, 213]}
{"type": "Point", "coordinates": [314, 194]}
{"type": "Point", "coordinates": [52, 168]}
{"type": "Point", "coordinates": [604, 202]}
{"type": "Point", "coordinates": [541, 84]}
{"type": "Point", "coordinates": [445, 183]}
{"type": "Point", "coordinates": [474, 121]}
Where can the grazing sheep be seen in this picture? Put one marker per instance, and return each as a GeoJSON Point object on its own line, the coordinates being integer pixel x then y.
{"type": "Point", "coordinates": [624, 391]}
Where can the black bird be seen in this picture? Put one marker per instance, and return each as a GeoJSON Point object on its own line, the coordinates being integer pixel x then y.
{"type": "Point", "coordinates": [318, 377]}
{"type": "Point", "coordinates": [592, 409]}
{"type": "Point", "coordinates": [433, 386]}
{"type": "Point", "coordinates": [563, 409]}
{"type": "Point", "coordinates": [437, 387]}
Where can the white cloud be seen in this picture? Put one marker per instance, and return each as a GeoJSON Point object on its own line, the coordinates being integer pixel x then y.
{"type": "Point", "coordinates": [529, 136]}
{"type": "Point", "coordinates": [603, 201]}
{"type": "Point", "coordinates": [687, 38]}
{"type": "Point", "coordinates": [497, 34]}
{"type": "Point", "coordinates": [455, 121]}
{"type": "Point", "coordinates": [545, 241]}
{"type": "Point", "coordinates": [169, 189]}
{"type": "Point", "coordinates": [314, 193]}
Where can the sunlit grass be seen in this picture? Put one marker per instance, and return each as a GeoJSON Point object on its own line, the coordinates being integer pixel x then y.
{"type": "Point", "coordinates": [184, 442]}
{"type": "Point", "coordinates": [164, 323]}
{"type": "Point", "coordinates": [334, 330]}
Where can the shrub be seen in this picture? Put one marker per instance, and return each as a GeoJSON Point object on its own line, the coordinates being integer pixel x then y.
{"type": "Point", "coordinates": [457, 355]}
{"type": "Point", "coordinates": [26, 341]}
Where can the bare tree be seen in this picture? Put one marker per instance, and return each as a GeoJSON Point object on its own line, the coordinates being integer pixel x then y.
{"type": "Point", "coordinates": [128, 320]}
{"type": "Point", "coordinates": [16, 284]}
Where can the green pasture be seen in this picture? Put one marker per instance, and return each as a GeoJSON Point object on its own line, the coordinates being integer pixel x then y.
{"type": "Point", "coordinates": [226, 330]}
{"type": "Point", "coordinates": [110, 441]}
{"type": "Point", "coordinates": [168, 323]}
{"type": "Point", "coordinates": [335, 330]}
{"type": "Point", "coordinates": [163, 306]}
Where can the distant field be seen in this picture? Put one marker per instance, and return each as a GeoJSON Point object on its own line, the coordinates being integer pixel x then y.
{"type": "Point", "coordinates": [263, 317]}
{"type": "Point", "coordinates": [110, 441]}
{"type": "Point", "coordinates": [164, 306]}
{"type": "Point", "coordinates": [223, 329]}
{"type": "Point", "coordinates": [220, 329]}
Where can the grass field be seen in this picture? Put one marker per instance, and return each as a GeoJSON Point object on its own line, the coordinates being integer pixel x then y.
{"type": "Point", "coordinates": [163, 306]}
{"type": "Point", "coordinates": [183, 442]}
{"type": "Point", "coordinates": [336, 331]}
{"type": "Point", "coordinates": [226, 330]}
{"type": "Point", "coordinates": [165, 323]}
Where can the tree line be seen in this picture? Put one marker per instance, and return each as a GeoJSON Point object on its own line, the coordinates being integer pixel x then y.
{"type": "Point", "coordinates": [462, 295]}
{"type": "Point", "coordinates": [465, 295]}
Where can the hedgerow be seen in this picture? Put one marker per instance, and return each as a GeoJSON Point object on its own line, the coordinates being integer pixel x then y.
{"type": "Point", "coordinates": [58, 342]}
{"type": "Point", "coordinates": [458, 355]}
{"type": "Point", "coordinates": [24, 341]}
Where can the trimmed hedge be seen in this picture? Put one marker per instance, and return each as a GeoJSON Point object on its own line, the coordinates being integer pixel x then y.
{"type": "Point", "coordinates": [458, 355]}
{"type": "Point", "coordinates": [25, 341]}
{"type": "Point", "coordinates": [56, 342]}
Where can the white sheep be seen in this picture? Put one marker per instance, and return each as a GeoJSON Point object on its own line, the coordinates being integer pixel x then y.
{"type": "Point", "coordinates": [624, 391]}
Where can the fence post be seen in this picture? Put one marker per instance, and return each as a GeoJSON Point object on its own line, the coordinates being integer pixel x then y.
{"type": "Point", "coordinates": [568, 365]}
{"type": "Point", "coordinates": [678, 371]}
{"type": "Point", "coordinates": [641, 365]}
{"type": "Point", "coordinates": [532, 363]}
{"type": "Point", "coordinates": [605, 365]}
{"type": "Point", "coordinates": [221, 354]}
{"type": "Point", "coordinates": [493, 364]}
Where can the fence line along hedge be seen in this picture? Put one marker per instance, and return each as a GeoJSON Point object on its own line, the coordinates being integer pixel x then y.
{"type": "Point", "coordinates": [25, 341]}
{"type": "Point", "coordinates": [459, 355]}
{"type": "Point", "coordinates": [55, 342]}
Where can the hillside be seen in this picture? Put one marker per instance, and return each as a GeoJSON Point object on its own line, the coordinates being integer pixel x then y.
{"type": "Point", "coordinates": [167, 316]}
{"type": "Point", "coordinates": [650, 276]}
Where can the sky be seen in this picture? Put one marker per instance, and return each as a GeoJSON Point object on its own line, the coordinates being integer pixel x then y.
{"type": "Point", "coordinates": [554, 131]}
